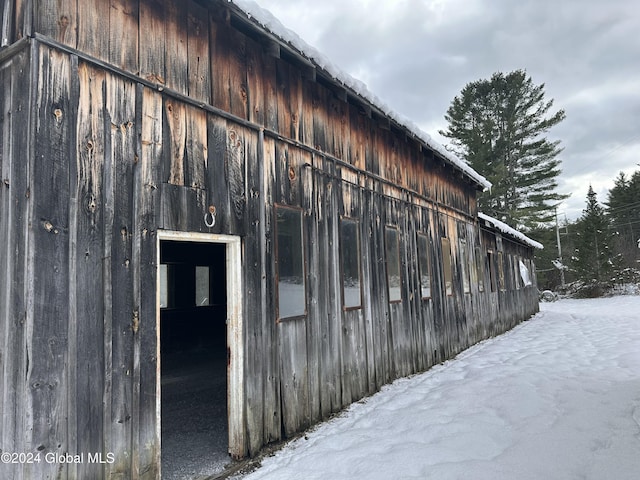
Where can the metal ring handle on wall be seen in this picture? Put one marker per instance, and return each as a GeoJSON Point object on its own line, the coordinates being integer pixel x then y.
{"type": "Point", "coordinates": [210, 224]}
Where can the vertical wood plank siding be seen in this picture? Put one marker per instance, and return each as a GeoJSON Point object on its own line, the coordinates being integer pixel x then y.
{"type": "Point", "coordinates": [87, 261]}
{"type": "Point", "coordinates": [120, 118]}
{"type": "Point", "coordinates": [48, 271]}
{"type": "Point", "coordinates": [15, 115]}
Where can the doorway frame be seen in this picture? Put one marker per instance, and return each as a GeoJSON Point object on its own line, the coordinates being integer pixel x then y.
{"type": "Point", "coordinates": [235, 334]}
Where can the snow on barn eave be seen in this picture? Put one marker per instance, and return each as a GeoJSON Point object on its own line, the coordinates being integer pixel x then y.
{"type": "Point", "coordinates": [512, 232]}
{"type": "Point", "coordinates": [306, 54]}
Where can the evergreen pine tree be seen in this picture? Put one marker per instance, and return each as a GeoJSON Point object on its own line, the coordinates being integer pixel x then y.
{"type": "Point", "coordinates": [593, 259]}
{"type": "Point", "coordinates": [498, 127]}
{"type": "Point", "coordinates": [623, 207]}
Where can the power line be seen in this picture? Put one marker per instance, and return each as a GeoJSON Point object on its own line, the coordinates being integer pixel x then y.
{"type": "Point", "coordinates": [624, 207]}
{"type": "Point", "coordinates": [624, 224]}
{"type": "Point", "coordinates": [615, 210]}
{"type": "Point", "coordinates": [574, 233]}
{"type": "Point", "coordinates": [587, 165]}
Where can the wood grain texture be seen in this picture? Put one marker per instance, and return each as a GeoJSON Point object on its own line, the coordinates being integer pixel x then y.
{"type": "Point", "coordinates": [153, 18]}
{"type": "Point", "coordinates": [198, 55]}
{"type": "Point", "coordinates": [294, 386]}
{"type": "Point", "coordinates": [57, 19]}
{"type": "Point", "coordinates": [48, 275]}
{"type": "Point", "coordinates": [86, 259]}
{"type": "Point", "coordinates": [7, 20]}
{"type": "Point", "coordinates": [120, 111]}
{"type": "Point", "coordinates": [176, 42]}
{"type": "Point", "coordinates": [257, 322]}
{"type": "Point", "coordinates": [147, 207]}
{"type": "Point", "coordinates": [273, 408]}
{"type": "Point", "coordinates": [7, 427]}
{"type": "Point", "coordinates": [93, 38]}
{"type": "Point", "coordinates": [124, 34]}
{"type": "Point", "coordinates": [14, 228]}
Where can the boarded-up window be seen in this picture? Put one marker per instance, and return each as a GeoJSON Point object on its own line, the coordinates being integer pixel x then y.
{"type": "Point", "coordinates": [532, 272]}
{"type": "Point", "coordinates": [492, 271]}
{"type": "Point", "coordinates": [392, 250]}
{"type": "Point", "coordinates": [501, 282]}
{"type": "Point", "coordinates": [446, 266]}
{"type": "Point", "coordinates": [480, 269]}
{"type": "Point", "coordinates": [350, 253]}
{"type": "Point", "coordinates": [424, 265]}
{"type": "Point", "coordinates": [290, 263]}
{"type": "Point", "coordinates": [464, 267]}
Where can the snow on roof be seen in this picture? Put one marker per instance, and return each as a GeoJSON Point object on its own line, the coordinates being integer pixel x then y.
{"type": "Point", "coordinates": [268, 21]}
{"type": "Point", "coordinates": [504, 228]}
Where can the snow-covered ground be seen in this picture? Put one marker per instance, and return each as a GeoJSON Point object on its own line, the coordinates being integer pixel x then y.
{"type": "Point", "coordinates": [558, 397]}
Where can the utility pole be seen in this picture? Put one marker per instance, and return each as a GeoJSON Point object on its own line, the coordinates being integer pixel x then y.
{"type": "Point", "coordinates": [595, 239]}
{"type": "Point", "coordinates": [559, 249]}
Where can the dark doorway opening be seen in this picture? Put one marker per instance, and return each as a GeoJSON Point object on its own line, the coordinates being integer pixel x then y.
{"type": "Point", "coordinates": [193, 358]}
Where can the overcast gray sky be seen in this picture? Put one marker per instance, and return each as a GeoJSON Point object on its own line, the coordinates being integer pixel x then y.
{"type": "Point", "coordinates": [416, 55]}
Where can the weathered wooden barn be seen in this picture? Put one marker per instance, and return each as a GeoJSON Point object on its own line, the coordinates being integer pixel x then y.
{"type": "Point", "coordinates": [177, 177]}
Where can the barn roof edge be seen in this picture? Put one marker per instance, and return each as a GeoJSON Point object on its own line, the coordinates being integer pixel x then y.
{"type": "Point", "coordinates": [295, 45]}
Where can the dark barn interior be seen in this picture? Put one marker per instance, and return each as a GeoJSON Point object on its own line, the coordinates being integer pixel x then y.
{"type": "Point", "coordinates": [193, 358]}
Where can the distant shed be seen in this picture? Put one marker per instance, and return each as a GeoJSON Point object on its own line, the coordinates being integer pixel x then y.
{"type": "Point", "coordinates": [177, 177]}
